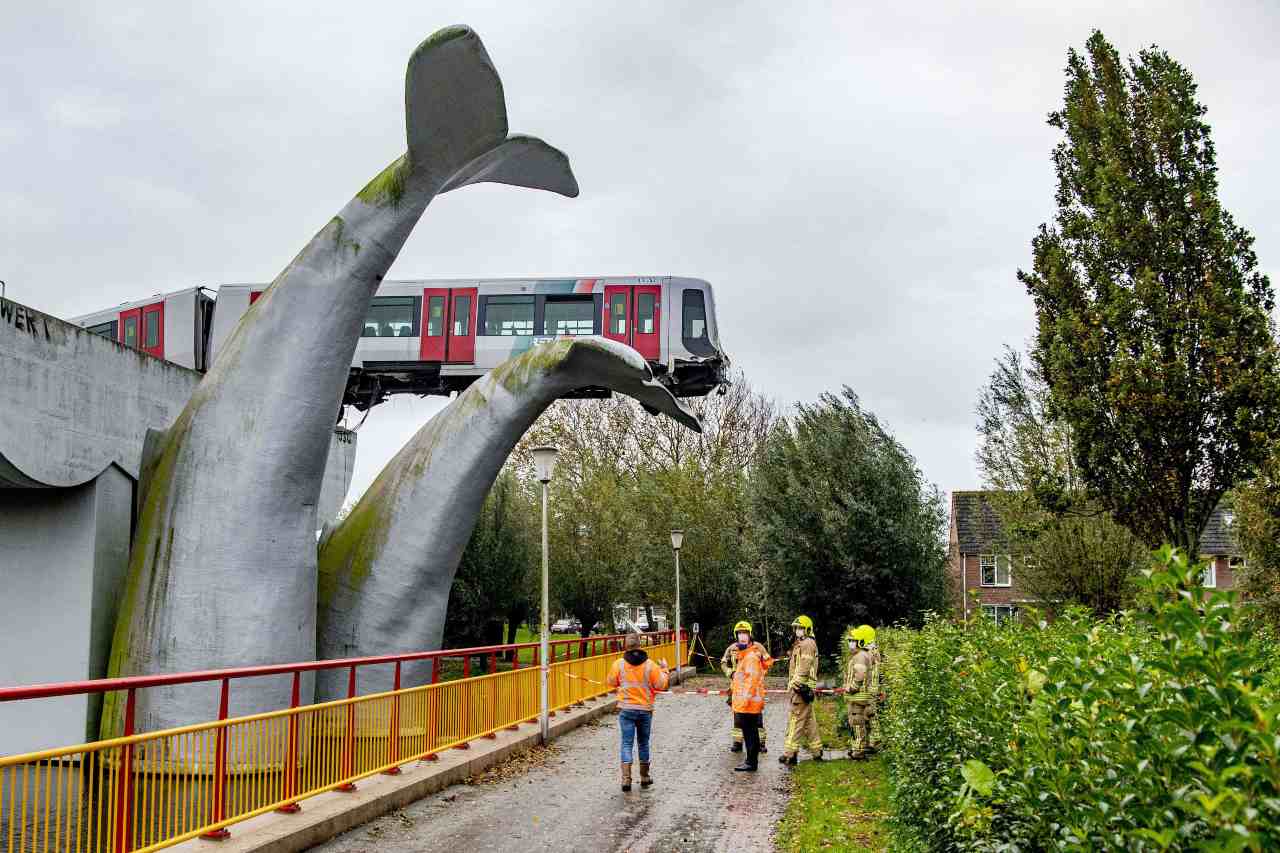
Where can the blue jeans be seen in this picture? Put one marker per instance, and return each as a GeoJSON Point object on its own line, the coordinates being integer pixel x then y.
{"type": "Point", "coordinates": [635, 725]}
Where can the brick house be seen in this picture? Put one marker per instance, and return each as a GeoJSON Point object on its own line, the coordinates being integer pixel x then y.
{"type": "Point", "coordinates": [978, 559]}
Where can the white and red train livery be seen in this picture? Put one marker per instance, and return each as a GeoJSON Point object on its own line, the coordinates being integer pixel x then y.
{"type": "Point", "coordinates": [437, 337]}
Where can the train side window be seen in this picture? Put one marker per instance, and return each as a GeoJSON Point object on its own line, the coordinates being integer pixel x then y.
{"type": "Point", "coordinates": [391, 317]}
{"type": "Point", "coordinates": [508, 315]}
{"type": "Point", "coordinates": [461, 316]}
{"type": "Point", "coordinates": [569, 316]}
{"type": "Point", "coordinates": [644, 313]}
{"type": "Point", "coordinates": [618, 314]}
{"type": "Point", "coordinates": [695, 316]}
{"type": "Point", "coordinates": [435, 317]}
{"type": "Point", "coordinates": [151, 324]}
{"type": "Point", "coordinates": [131, 331]}
{"type": "Point", "coordinates": [107, 330]}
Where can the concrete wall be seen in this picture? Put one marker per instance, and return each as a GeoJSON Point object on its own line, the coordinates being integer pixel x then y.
{"type": "Point", "coordinates": [64, 553]}
{"type": "Point", "coordinates": [72, 403]}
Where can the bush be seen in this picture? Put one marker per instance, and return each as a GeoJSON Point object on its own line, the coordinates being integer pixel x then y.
{"type": "Point", "coordinates": [1153, 730]}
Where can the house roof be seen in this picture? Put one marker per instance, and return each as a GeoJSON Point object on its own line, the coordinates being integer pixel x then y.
{"type": "Point", "coordinates": [978, 527]}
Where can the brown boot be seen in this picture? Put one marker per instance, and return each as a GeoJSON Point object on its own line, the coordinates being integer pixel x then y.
{"type": "Point", "coordinates": [626, 775]}
{"type": "Point", "coordinates": [645, 779]}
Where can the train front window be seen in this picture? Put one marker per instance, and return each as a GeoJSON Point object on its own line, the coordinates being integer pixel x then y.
{"type": "Point", "coordinates": [618, 314]}
{"type": "Point", "coordinates": [107, 330]}
{"type": "Point", "coordinates": [131, 331]}
{"type": "Point", "coordinates": [391, 317]}
{"type": "Point", "coordinates": [644, 313]}
{"type": "Point", "coordinates": [435, 317]}
{"type": "Point", "coordinates": [151, 324]}
{"type": "Point", "coordinates": [695, 316]}
{"type": "Point", "coordinates": [508, 315]}
{"type": "Point", "coordinates": [461, 316]}
{"type": "Point", "coordinates": [569, 316]}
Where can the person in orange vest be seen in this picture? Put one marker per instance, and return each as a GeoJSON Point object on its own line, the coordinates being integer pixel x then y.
{"type": "Point", "coordinates": [637, 678]}
{"type": "Point", "coordinates": [747, 689]}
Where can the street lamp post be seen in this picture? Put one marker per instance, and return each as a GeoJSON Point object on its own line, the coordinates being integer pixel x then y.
{"type": "Point", "coordinates": [677, 539]}
{"type": "Point", "coordinates": [544, 462]}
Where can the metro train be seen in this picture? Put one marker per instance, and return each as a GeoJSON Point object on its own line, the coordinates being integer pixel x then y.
{"type": "Point", "coordinates": [437, 337]}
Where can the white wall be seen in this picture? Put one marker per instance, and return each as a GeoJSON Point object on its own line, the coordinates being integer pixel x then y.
{"type": "Point", "coordinates": [64, 553]}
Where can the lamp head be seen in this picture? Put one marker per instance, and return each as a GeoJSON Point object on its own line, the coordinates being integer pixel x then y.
{"type": "Point", "coordinates": [544, 461]}
{"type": "Point", "coordinates": [677, 539]}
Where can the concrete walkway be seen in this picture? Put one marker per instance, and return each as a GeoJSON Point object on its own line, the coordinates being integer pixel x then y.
{"type": "Point", "coordinates": [567, 798]}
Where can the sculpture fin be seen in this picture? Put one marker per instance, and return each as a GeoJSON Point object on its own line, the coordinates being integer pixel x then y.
{"type": "Point", "coordinates": [522, 161]}
{"type": "Point", "coordinates": [454, 107]}
{"type": "Point", "coordinates": [152, 448]}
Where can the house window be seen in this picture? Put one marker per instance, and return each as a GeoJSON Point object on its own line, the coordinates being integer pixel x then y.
{"type": "Point", "coordinates": [508, 315]}
{"type": "Point", "coordinates": [995, 570]}
{"type": "Point", "coordinates": [569, 316]}
{"type": "Point", "coordinates": [1210, 576]}
{"type": "Point", "coordinates": [1237, 563]}
{"type": "Point", "coordinates": [1000, 613]}
{"type": "Point", "coordinates": [391, 317]}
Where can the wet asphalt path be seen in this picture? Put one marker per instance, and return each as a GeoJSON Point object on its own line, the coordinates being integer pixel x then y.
{"type": "Point", "coordinates": [572, 801]}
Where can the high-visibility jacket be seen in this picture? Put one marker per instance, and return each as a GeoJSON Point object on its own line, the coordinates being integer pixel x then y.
{"type": "Point", "coordinates": [862, 676]}
{"type": "Point", "coordinates": [802, 667]}
{"type": "Point", "coordinates": [748, 679]}
{"type": "Point", "coordinates": [637, 683]}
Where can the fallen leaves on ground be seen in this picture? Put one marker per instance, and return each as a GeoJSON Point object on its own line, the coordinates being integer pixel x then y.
{"type": "Point", "coordinates": [515, 766]}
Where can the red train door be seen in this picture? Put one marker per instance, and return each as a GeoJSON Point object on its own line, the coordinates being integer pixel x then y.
{"type": "Point", "coordinates": [130, 321]}
{"type": "Point", "coordinates": [646, 303]}
{"type": "Point", "coordinates": [462, 326]}
{"type": "Point", "coordinates": [152, 332]}
{"type": "Point", "coordinates": [617, 313]}
{"type": "Point", "coordinates": [435, 318]}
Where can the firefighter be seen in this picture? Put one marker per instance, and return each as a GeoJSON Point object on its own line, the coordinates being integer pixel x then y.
{"type": "Point", "coordinates": [862, 686]}
{"type": "Point", "coordinates": [747, 693]}
{"type": "Point", "coordinates": [728, 663]}
{"type": "Point", "coordinates": [637, 679]}
{"type": "Point", "coordinates": [802, 680]}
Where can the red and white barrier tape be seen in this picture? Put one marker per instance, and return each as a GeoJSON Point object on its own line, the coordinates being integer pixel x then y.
{"type": "Point", "coordinates": [707, 691]}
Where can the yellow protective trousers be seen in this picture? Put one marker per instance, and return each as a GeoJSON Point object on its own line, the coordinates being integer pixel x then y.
{"type": "Point", "coordinates": [802, 727]}
{"type": "Point", "coordinates": [860, 715]}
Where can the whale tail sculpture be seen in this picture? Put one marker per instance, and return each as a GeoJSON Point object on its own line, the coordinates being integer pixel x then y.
{"type": "Point", "coordinates": [386, 569]}
{"type": "Point", "coordinates": [223, 566]}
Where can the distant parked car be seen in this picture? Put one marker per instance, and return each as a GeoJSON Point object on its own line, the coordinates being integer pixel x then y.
{"type": "Point", "coordinates": [575, 626]}
{"type": "Point", "coordinates": [562, 626]}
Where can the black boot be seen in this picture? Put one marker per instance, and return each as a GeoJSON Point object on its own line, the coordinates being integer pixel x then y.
{"type": "Point", "coordinates": [737, 746]}
{"type": "Point", "coordinates": [744, 767]}
{"type": "Point", "coordinates": [788, 760]}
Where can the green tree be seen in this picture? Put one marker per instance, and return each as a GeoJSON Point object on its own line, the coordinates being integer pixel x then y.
{"type": "Point", "coordinates": [1077, 553]}
{"type": "Point", "coordinates": [848, 528]}
{"type": "Point", "coordinates": [494, 581]}
{"type": "Point", "coordinates": [1257, 528]}
{"type": "Point", "coordinates": [1153, 332]}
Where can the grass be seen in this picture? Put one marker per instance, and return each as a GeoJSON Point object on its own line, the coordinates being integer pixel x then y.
{"type": "Point", "coordinates": [836, 804]}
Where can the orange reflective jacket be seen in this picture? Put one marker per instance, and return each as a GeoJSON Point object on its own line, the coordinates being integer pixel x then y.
{"type": "Point", "coordinates": [636, 684]}
{"type": "Point", "coordinates": [748, 679]}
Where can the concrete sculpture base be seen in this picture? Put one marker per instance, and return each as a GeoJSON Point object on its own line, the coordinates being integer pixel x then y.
{"type": "Point", "coordinates": [223, 567]}
{"type": "Point", "coordinates": [386, 569]}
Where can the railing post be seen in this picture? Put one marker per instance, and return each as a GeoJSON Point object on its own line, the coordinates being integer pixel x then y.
{"type": "Point", "coordinates": [220, 769]}
{"type": "Point", "coordinates": [492, 716]}
{"type": "Point", "coordinates": [464, 714]}
{"type": "Point", "coordinates": [124, 783]}
{"type": "Point", "coordinates": [393, 741]}
{"type": "Point", "coordinates": [349, 741]}
{"type": "Point", "coordinates": [435, 670]}
{"type": "Point", "coordinates": [291, 755]}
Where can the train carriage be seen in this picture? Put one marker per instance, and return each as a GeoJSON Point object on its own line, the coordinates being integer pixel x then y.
{"type": "Point", "coordinates": [436, 337]}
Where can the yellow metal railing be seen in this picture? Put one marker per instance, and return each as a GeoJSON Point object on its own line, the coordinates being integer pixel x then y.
{"type": "Point", "coordinates": [152, 790]}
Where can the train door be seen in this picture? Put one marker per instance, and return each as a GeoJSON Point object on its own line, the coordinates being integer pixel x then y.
{"type": "Point", "coordinates": [645, 322]}
{"type": "Point", "coordinates": [462, 326]}
{"type": "Point", "coordinates": [152, 330]}
{"type": "Point", "coordinates": [632, 315]}
{"type": "Point", "coordinates": [617, 313]}
{"type": "Point", "coordinates": [449, 324]}
{"type": "Point", "coordinates": [435, 302]}
{"type": "Point", "coordinates": [129, 322]}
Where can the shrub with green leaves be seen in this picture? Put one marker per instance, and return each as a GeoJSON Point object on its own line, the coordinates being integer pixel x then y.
{"type": "Point", "coordinates": [1154, 730]}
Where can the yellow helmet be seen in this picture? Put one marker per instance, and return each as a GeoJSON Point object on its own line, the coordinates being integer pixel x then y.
{"type": "Point", "coordinates": [743, 625]}
{"type": "Point", "coordinates": [864, 634]}
{"type": "Point", "coordinates": [850, 633]}
{"type": "Point", "coordinates": [803, 622]}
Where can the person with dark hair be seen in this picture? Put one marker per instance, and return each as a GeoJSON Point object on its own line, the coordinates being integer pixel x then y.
{"type": "Point", "coordinates": [637, 679]}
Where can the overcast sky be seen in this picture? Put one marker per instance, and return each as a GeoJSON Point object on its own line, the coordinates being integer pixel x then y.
{"type": "Point", "coordinates": [859, 186]}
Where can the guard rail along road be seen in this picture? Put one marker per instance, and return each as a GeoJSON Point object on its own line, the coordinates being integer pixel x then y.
{"type": "Point", "coordinates": [150, 790]}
